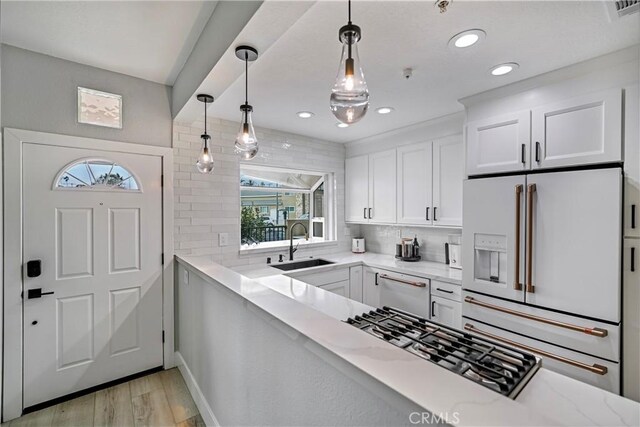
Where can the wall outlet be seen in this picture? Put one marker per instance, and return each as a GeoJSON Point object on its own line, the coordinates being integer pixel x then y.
{"type": "Point", "coordinates": [398, 234]}
{"type": "Point", "coordinates": [223, 239]}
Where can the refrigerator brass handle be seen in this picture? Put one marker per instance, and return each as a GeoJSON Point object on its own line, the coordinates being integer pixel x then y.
{"type": "Point", "coordinates": [406, 282]}
{"type": "Point", "coordinates": [595, 368]}
{"type": "Point", "coordinates": [597, 332]}
{"type": "Point", "coordinates": [516, 281]}
{"type": "Point", "coordinates": [531, 188]}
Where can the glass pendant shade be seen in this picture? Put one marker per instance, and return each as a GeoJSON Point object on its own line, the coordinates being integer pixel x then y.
{"type": "Point", "coordinates": [350, 96]}
{"type": "Point", "coordinates": [205, 160]}
{"type": "Point", "coordinates": [246, 140]}
{"type": "Point", "coordinates": [247, 154]}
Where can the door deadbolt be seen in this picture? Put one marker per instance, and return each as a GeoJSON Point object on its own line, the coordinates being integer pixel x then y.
{"type": "Point", "coordinates": [34, 268]}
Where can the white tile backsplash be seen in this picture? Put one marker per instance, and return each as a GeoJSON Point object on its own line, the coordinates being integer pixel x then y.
{"type": "Point", "coordinates": [383, 238]}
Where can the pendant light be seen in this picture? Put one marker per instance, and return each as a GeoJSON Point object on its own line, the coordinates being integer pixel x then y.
{"type": "Point", "coordinates": [205, 160]}
{"type": "Point", "coordinates": [246, 141]}
{"type": "Point", "coordinates": [350, 96]}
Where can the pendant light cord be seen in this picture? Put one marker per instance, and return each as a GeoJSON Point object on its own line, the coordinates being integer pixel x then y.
{"type": "Point", "coordinates": [205, 117]}
{"type": "Point", "coordinates": [350, 41]}
{"type": "Point", "coordinates": [246, 78]}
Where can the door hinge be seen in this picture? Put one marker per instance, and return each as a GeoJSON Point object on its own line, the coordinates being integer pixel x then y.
{"type": "Point", "coordinates": [163, 336]}
{"type": "Point", "coordinates": [162, 258]}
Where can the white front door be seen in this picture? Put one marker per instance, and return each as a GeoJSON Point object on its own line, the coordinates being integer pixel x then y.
{"type": "Point", "coordinates": [100, 246]}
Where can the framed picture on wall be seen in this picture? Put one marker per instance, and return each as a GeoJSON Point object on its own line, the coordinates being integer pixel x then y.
{"type": "Point", "coordinates": [99, 108]}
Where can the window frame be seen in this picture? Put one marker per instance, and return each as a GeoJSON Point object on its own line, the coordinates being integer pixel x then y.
{"type": "Point", "coordinates": [105, 188]}
{"type": "Point", "coordinates": [329, 221]}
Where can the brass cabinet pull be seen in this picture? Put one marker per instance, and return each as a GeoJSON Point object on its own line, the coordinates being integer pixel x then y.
{"type": "Point", "coordinates": [406, 282]}
{"type": "Point", "coordinates": [531, 188]}
{"type": "Point", "coordinates": [595, 368]}
{"type": "Point", "coordinates": [516, 281]}
{"type": "Point", "coordinates": [598, 332]}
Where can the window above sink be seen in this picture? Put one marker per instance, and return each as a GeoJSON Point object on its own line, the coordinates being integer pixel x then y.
{"type": "Point", "coordinates": [273, 199]}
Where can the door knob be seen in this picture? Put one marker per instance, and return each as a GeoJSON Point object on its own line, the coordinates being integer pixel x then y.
{"type": "Point", "coordinates": [37, 293]}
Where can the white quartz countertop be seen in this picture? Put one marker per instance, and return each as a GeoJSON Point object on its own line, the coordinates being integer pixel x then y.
{"type": "Point", "coordinates": [429, 269]}
{"type": "Point", "coordinates": [549, 399]}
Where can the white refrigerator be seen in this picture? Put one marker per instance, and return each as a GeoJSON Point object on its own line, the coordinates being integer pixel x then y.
{"type": "Point", "coordinates": [542, 267]}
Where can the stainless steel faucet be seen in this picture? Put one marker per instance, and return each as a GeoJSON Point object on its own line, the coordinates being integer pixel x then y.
{"type": "Point", "coordinates": [306, 237]}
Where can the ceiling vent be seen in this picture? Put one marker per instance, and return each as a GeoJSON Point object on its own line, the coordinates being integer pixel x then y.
{"type": "Point", "coordinates": [622, 8]}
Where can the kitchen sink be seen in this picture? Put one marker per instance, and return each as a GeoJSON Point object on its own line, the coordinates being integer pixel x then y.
{"type": "Point", "coordinates": [297, 265]}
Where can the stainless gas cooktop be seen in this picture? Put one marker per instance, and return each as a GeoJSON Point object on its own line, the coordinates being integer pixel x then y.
{"type": "Point", "coordinates": [496, 366]}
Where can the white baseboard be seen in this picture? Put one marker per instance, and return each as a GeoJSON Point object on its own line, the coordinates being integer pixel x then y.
{"type": "Point", "coordinates": [204, 408]}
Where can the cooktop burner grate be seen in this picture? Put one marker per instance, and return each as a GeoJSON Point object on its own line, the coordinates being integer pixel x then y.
{"type": "Point", "coordinates": [496, 366]}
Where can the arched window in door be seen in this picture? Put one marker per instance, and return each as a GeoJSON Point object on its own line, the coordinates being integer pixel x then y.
{"type": "Point", "coordinates": [97, 174]}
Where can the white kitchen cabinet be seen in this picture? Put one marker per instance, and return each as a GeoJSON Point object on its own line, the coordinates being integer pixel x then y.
{"type": "Point", "coordinates": [370, 188]}
{"type": "Point", "coordinates": [356, 189]}
{"type": "Point", "coordinates": [448, 174]}
{"type": "Point", "coordinates": [355, 283]}
{"type": "Point", "coordinates": [499, 144]}
{"type": "Point", "coordinates": [631, 319]}
{"type": "Point", "coordinates": [382, 187]}
{"type": "Point", "coordinates": [414, 186]}
{"type": "Point", "coordinates": [578, 131]}
{"type": "Point", "coordinates": [340, 288]}
{"type": "Point", "coordinates": [446, 312]}
{"type": "Point", "coordinates": [632, 161]}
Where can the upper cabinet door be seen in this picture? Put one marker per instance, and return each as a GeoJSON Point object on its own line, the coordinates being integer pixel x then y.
{"type": "Point", "coordinates": [632, 161]}
{"type": "Point", "coordinates": [382, 187]}
{"type": "Point", "coordinates": [355, 188]}
{"type": "Point", "coordinates": [499, 144]}
{"type": "Point", "coordinates": [448, 174]}
{"type": "Point", "coordinates": [582, 130]}
{"type": "Point", "coordinates": [415, 184]}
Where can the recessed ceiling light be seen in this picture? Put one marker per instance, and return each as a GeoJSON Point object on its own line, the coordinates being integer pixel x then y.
{"type": "Point", "coordinates": [467, 38]}
{"type": "Point", "coordinates": [384, 110]}
{"type": "Point", "coordinates": [502, 69]}
{"type": "Point", "coordinates": [305, 114]}
{"type": "Point", "coordinates": [342, 125]}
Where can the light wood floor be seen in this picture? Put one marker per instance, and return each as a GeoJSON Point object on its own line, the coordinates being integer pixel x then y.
{"type": "Point", "coordinates": [160, 399]}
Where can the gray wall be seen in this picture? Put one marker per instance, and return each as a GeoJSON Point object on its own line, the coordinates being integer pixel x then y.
{"type": "Point", "coordinates": [40, 94]}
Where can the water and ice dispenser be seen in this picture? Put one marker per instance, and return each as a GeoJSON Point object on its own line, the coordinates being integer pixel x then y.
{"type": "Point", "coordinates": [490, 262]}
